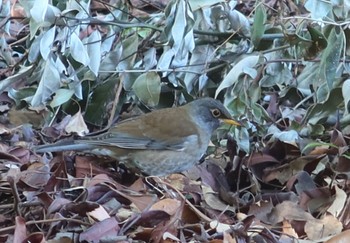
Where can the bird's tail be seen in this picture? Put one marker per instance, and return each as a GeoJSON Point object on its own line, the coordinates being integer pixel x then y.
{"type": "Point", "coordinates": [62, 146]}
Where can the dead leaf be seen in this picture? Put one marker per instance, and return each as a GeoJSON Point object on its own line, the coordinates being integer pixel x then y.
{"type": "Point", "coordinates": [342, 237]}
{"type": "Point", "coordinates": [170, 206]}
{"type": "Point", "coordinates": [77, 125]}
{"type": "Point", "coordinates": [219, 227]}
{"type": "Point", "coordinates": [317, 229]}
{"type": "Point", "coordinates": [99, 213]}
{"type": "Point", "coordinates": [36, 175]}
{"type": "Point", "coordinates": [21, 230]}
{"type": "Point", "coordinates": [213, 200]}
{"type": "Point", "coordinates": [288, 229]}
{"type": "Point", "coordinates": [338, 203]}
{"type": "Point", "coordinates": [105, 230]}
{"type": "Point", "coordinates": [288, 211]}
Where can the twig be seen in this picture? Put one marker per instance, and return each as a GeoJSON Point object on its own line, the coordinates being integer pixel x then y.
{"type": "Point", "coordinates": [115, 103]}
{"type": "Point", "coordinates": [16, 198]}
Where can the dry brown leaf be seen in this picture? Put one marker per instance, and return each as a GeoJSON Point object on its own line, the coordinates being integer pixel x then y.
{"type": "Point", "coordinates": [317, 229]}
{"type": "Point", "coordinates": [99, 179]}
{"type": "Point", "coordinates": [288, 210]}
{"type": "Point", "coordinates": [77, 125]}
{"type": "Point", "coordinates": [169, 236]}
{"type": "Point", "coordinates": [4, 130]}
{"type": "Point", "coordinates": [106, 229]}
{"type": "Point", "coordinates": [219, 227]}
{"type": "Point", "coordinates": [37, 237]}
{"type": "Point", "coordinates": [338, 203]}
{"type": "Point", "coordinates": [228, 238]}
{"type": "Point", "coordinates": [342, 237]}
{"type": "Point", "coordinates": [288, 229]}
{"type": "Point", "coordinates": [36, 175]}
{"type": "Point", "coordinates": [99, 213]}
{"type": "Point", "coordinates": [23, 116]}
{"type": "Point", "coordinates": [213, 200]}
{"type": "Point", "coordinates": [20, 231]}
{"type": "Point", "coordinates": [170, 206]}
{"type": "Point", "coordinates": [177, 181]}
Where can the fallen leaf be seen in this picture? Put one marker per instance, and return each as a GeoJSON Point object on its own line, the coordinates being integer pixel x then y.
{"type": "Point", "coordinates": [317, 229]}
{"type": "Point", "coordinates": [77, 125]}
{"type": "Point", "coordinates": [168, 205]}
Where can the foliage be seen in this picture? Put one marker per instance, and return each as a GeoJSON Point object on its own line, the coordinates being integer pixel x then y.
{"type": "Point", "coordinates": [280, 67]}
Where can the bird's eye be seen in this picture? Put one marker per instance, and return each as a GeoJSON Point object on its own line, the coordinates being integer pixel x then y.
{"type": "Point", "coordinates": [216, 113]}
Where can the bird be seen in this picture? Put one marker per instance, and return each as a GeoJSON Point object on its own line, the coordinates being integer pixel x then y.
{"type": "Point", "coordinates": [159, 143]}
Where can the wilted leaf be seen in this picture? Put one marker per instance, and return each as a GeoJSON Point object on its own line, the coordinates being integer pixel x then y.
{"type": "Point", "coordinates": [219, 227]}
{"type": "Point", "coordinates": [36, 175]}
{"type": "Point", "coordinates": [20, 231]}
{"type": "Point", "coordinates": [212, 199]}
{"type": "Point", "coordinates": [23, 72]}
{"type": "Point", "coordinates": [170, 206]}
{"type": "Point", "coordinates": [99, 213]}
{"type": "Point", "coordinates": [288, 211]}
{"type": "Point", "coordinates": [77, 125]}
{"type": "Point", "coordinates": [339, 202]}
{"type": "Point", "coordinates": [321, 228]}
{"type": "Point", "coordinates": [104, 230]}
{"type": "Point", "coordinates": [342, 237]}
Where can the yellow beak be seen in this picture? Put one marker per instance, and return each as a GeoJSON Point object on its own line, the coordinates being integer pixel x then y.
{"type": "Point", "coordinates": [231, 122]}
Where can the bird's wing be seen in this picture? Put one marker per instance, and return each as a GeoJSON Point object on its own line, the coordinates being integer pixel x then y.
{"type": "Point", "coordinates": [159, 130]}
{"type": "Point", "coordinates": [127, 141]}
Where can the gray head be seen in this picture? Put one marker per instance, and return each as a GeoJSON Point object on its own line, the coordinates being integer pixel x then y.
{"type": "Point", "coordinates": [210, 112]}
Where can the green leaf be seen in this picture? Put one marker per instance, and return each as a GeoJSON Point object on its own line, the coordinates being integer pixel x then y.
{"type": "Point", "coordinates": [78, 50]}
{"type": "Point", "coordinates": [258, 24]}
{"type": "Point", "coordinates": [147, 88]}
{"type": "Point", "coordinates": [38, 10]}
{"type": "Point", "coordinates": [128, 55]}
{"type": "Point", "coordinates": [313, 145]}
{"type": "Point", "coordinates": [241, 135]}
{"type": "Point", "coordinates": [318, 8]}
{"type": "Point", "coordinates": [61, 96]}
{"type": "Point", "coordinates": [323, 110]}
{"type": "Point", "coordinates": [331, 56]}
{"type": "Point", "coordinates": [290, 136]}
{"type": "Point", "coordinates": [346, 96]}
{"type": "Point", "coordinates": [21, 94]}
{"type": "Point", "coordinates": [197, 4]}
{"type": "Point", "coordinates": [232, 77]}
{"type": "Point", "coordinates": [46, 42]}
{"type": "Point", "coordinates": [49, 84]}
{"type": "Point", "coordinates": [97, 111]}
{"type": "Point", "coordinates": [94, 51]}
{"type": "Point", "coordinates": [239, 22]}
{"type": "Point", "coordinates": [35, 49]}
{"type": "Point", "coordinates": [201, 55]}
